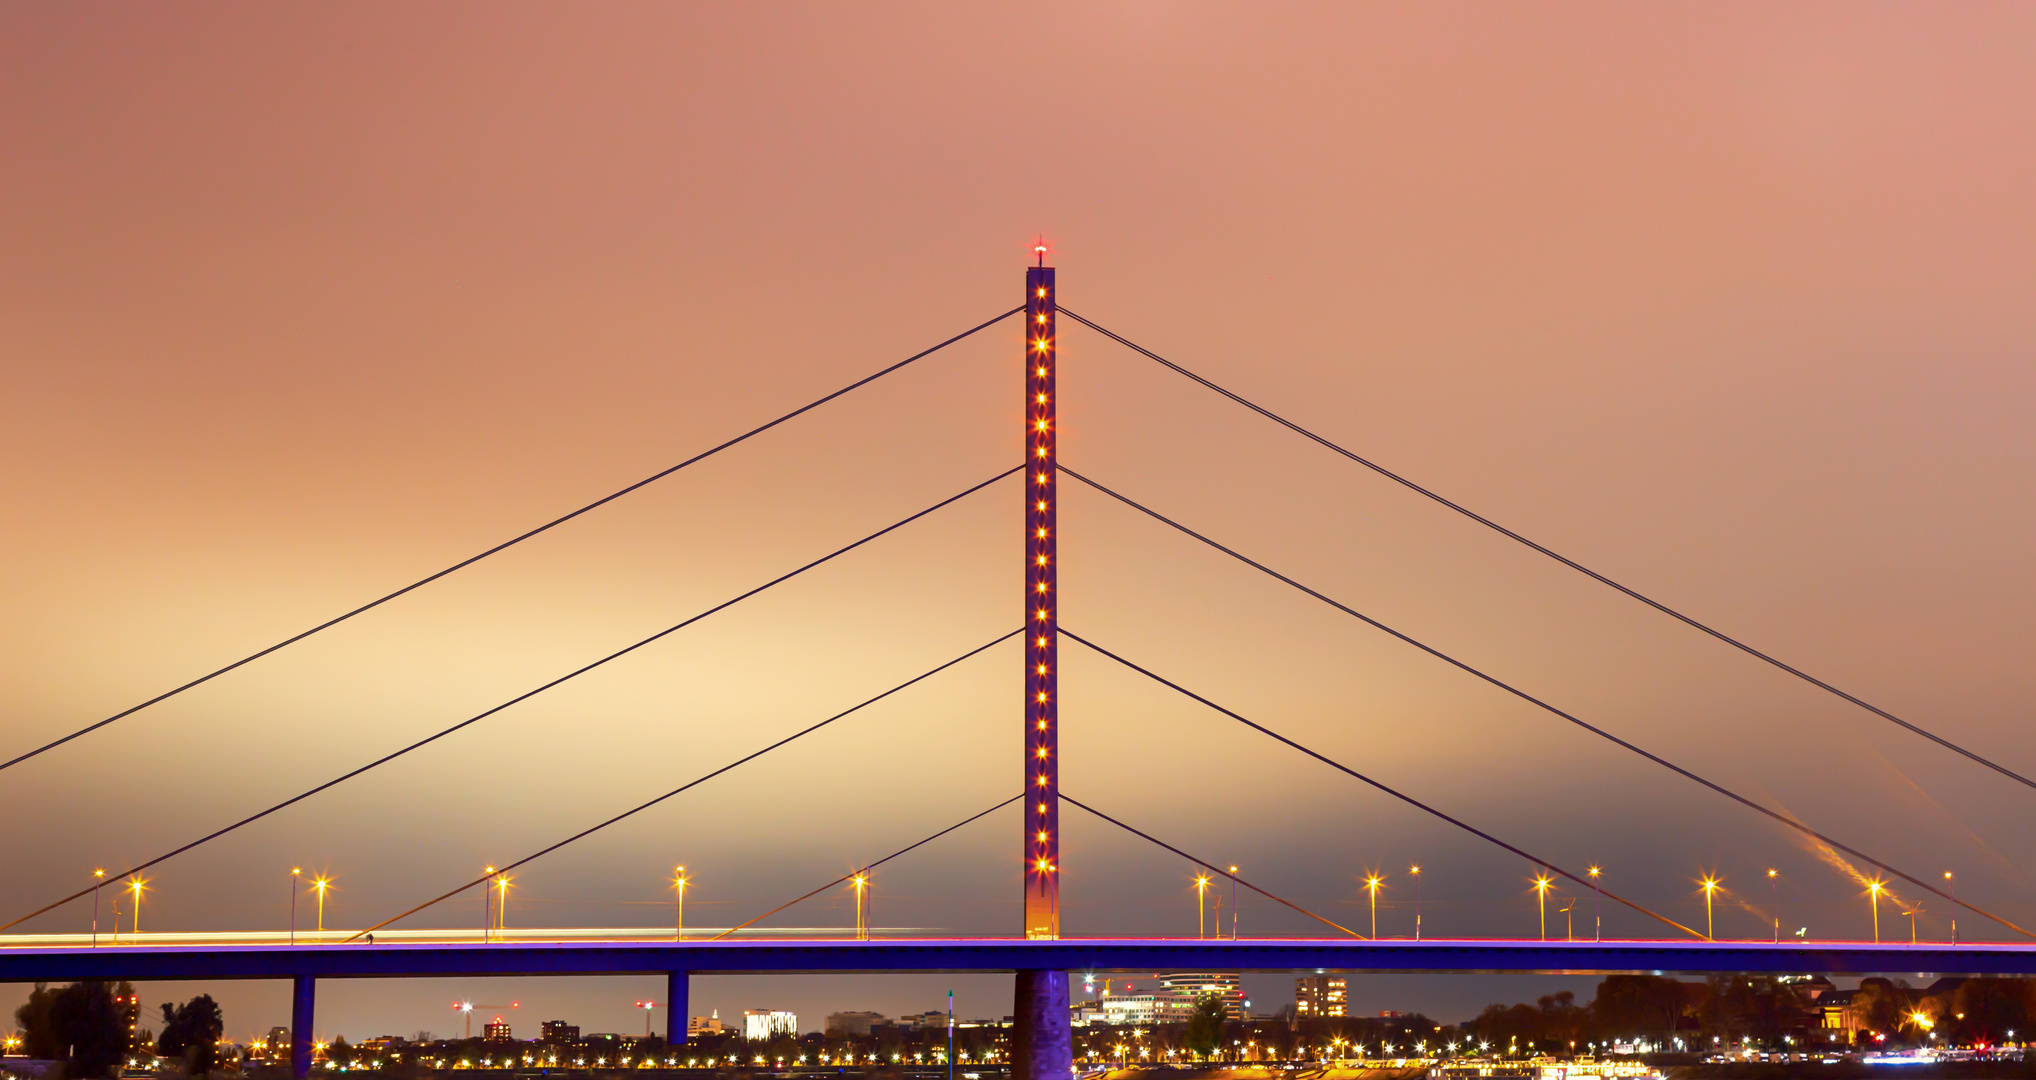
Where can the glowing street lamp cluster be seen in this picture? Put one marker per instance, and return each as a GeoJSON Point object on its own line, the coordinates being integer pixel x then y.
{"type": "Point", "coordinates": [1042, 619]}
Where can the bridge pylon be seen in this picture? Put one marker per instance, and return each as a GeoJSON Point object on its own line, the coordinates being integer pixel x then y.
{"type": "Point", "coordinates": [1041, 1047]}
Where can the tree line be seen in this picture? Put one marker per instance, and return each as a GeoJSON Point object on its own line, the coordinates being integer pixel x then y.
{"type": "Point", "coordinates": [94, 1027]}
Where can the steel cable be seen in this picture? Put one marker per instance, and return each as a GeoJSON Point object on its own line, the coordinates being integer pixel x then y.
{"type": "Point", "coordinates": [1211, 867]}
{"type": "Point", "coordinates": [1558, 557]}
{"type": "Point", "coordinates": [681, 789]}
{"type": "Point", "coordinates": [504, 546]}
{"type": "Point", "coordinates": [1531, 699]}
{"type": "Point", "coordinates": [576, 673]}
{"type": "Point", "coordinates": [874, 865]}
{"type": "Point", "coordinates": [1347, 770]}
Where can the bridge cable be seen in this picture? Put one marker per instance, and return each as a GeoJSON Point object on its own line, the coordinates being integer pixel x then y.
{"type": "Point", "coordinates": [872, 866]}
{"type": "Point", "coordinates": [1565, 560]}
{"type": "Point", "coordinates": [582, 834]}
{"type": "Point", "coordinates": [1209, 866]}
{"type": "Point", "coordinates": [503, 546]}
{"type": "Point", "coordinates": [1784, 819]}
{"type": "Point", "coordinates": [1408, 799]}
{"type": "Point", "coordinates": [577, 672]}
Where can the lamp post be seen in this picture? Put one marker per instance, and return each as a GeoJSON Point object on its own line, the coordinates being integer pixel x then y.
{"type": "Point", "coordinates": [135, 884]}
{"type": "Point", "coordinates": [502, 905]}
{"type": "Point", "coordinates": [1233, 906]}
{"type": "Point", "coordinates": [1951, 889]}
{"type": "Point", "coordinates": [1774, 881]}
{"type": "Point", "coordinates": [99, 878]}
{"type": "Point", "coordinates": [1597, 907]}
{"type": "Point", "coordinates": [320, 884]}
{"type": "Point", "coordinates": [487, 914]}
{"type": "Point", "coordinates": [1371, 887]}
{"type": "Point", "coordinates": [1541, 884]}
{"type": "Point", "coordinates": [1710, 886]}
{"type": "Point", "coordinates": [1201, 905]}
{"type": "Point", "coordinates": [862, 925]}
{"type": "Point", "coordinates": [1873, 889]}
{"type": "Point", "coordinates": [296, 875]}
{"type": "Point", "coordinates": [1415, 873]}
{"type": "Point", "coordinates": [679, 884]}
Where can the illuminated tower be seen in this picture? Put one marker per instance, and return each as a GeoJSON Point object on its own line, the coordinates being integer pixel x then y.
{"type": "Point", "coordinates": [1042, 652]}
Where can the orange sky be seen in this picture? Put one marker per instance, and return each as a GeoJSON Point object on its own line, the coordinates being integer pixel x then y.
{"type": "Point", "coordinates": [1733, 303]}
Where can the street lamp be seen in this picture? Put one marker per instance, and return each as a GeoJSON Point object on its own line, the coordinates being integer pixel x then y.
{"type": "Point", "coordinates": [1873, 889]}
{"type": "Point", "coordinates": [1415, 873]}
{"type": "Point", "coordinates": [1710, 886]}
{"type": "Point", "coordinates": [320, 884]}
{"type": "Point", "coordinates": [502, 905]}
{"type": "Point", "coordinates": [1201, 908]}
{"type": "Point", "coordinates": [136, 885]}
{"type": "Point", "coordinates": [1774, 881]}
{"type": "Point", "coordinates": [862, 925]}
{"type": "Point", "coordinates": [1951, 890]}
{"type": "Point", "coordinates": [1597, 907]}
{"type": "Point", "coordinates": [99, 878]}
{"type": "Point", "coordinates": [487, 905]}
{"type": "Point", "coordinates": [679, 883]}
{"type": "Point", "coordinates": [1233, 906]}
{"type": "Point", "coordinates": [1371, 886]}
{"type": "Point", "coordinates": [1541, 884]}
{"type": "Point", "coordinates": [296, 875]}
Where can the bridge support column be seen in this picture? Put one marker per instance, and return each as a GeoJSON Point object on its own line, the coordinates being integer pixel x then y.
{"type": "Point", "coordinates": [1041, 1047]}
{"type": "Point", "coordinates": [678, 1002]}
{"type": "Point", "coordinates": [303, 994]}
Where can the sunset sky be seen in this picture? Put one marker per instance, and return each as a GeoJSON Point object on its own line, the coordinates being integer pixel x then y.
{"type": "Point", "coordinates": [1734, 303]}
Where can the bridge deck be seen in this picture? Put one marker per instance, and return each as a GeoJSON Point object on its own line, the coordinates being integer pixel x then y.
{"type": "Point", "coordinates": [438, 959]}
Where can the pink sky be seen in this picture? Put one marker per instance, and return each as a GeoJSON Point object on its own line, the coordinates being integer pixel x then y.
{"type": "Point", "coordinates": [1735, 303]}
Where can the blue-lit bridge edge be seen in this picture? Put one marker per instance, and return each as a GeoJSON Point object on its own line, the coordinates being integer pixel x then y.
{"type": "Point", "coordinates": [991, 955]}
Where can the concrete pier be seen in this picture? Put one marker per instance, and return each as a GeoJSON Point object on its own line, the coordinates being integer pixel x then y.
{"type": "Point", "coordinates": [1041, 1048]}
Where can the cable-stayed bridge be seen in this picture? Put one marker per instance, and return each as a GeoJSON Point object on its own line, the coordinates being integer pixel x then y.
{"type": "Point", "coordinates": [1037, 949]}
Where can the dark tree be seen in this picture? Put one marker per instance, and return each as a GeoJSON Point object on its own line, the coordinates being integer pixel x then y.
{"type": "Point", "coordinates": [38, 1031]}
{"type": "Point", "coordinates": [1205, 1026]}
{"type": "Point", "coordinates": [1986, 1010]}
{"type": "Point", "coordinates": [192, 1033]}
{"type": "Point", "coordinates": [1632, 1006]}
{"type": "Point", "coordinates": [90, 1028]}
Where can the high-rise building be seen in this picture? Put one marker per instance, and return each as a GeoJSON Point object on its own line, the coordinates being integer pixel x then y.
{"type": "Point", "coordinates": [705, 1025]}
{"type": "Point", "coordinates": [497, 1031]}
{"type": "Point", "coordinates": [760, 1024]}
{"type": "Point", "coordinates": [1187, 989]}
{"type": "Point", "coordinates": [558, 1033]}
{"type": "Point", "coordinates": [1321, 995]}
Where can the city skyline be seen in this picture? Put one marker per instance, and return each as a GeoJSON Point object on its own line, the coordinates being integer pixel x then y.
{"type": "Point", "coordinates": [1731, 307]}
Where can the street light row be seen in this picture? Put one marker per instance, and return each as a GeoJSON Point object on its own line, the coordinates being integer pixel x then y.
{"type": "Point", "coordinates": [495, 895]}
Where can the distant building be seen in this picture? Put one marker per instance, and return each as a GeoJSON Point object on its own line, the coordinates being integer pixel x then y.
{"type": "Point", "coordinates": [558, 1033]}
{"type": "Point", "coordinates": [1186, 989]}
{"type": "Point", "coordinates": [1165, 999]}
{"type": "Point", "coordinates": [276, 1044]}
{"type": "Point", "coordinates": [705, 1025]}
{"type": "Point", "coordinates": [853, 1023]}
{"type": "Point", "coordinates": [497, 1031]}
{"type": "Point", "coordinates": [1320, 996]}
{"type": "Point", "coordinates": [761, 1024]}
{"type": "Point", "coordinates": [932, 1018]}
